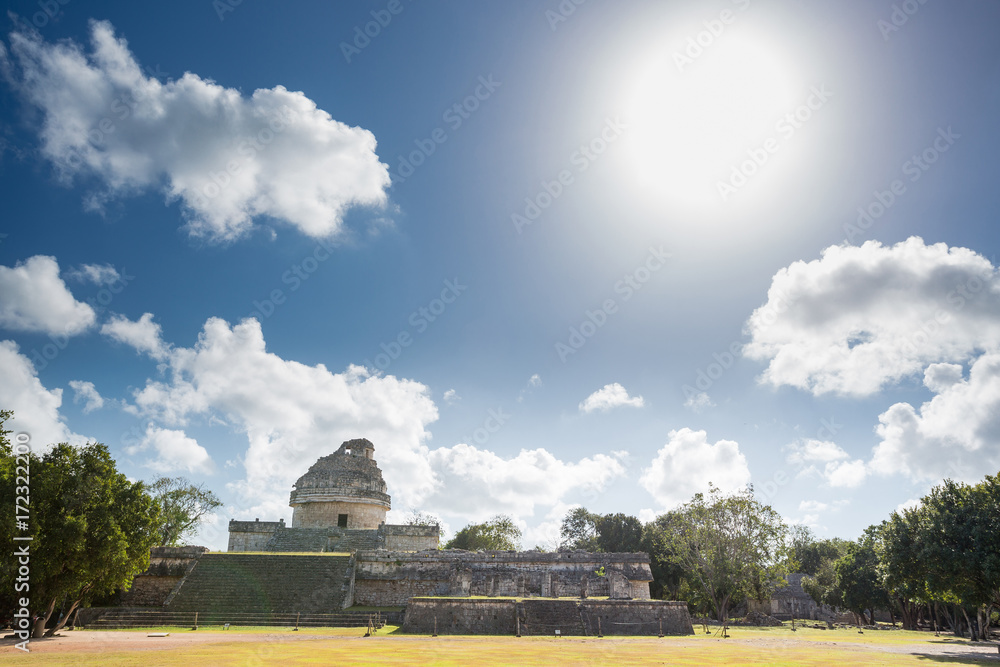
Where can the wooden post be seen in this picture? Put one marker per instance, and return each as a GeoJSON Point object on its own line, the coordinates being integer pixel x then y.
{"type": "Point", "coordinates": [661, 626]}
{"type": "Point", "coordinates": [517, 624]}
{"type": "Point", "coordinates": [195, 621]}
{"type": "Point", "coordinates": [599, 627]}
{"type": "Point", "coordinates": [297, 615]}
{"type": "Point", "coordinates": [435, 627]}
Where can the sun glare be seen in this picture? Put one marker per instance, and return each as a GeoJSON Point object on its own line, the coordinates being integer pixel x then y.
{"type": "Point", "coordinates": [697, 111]}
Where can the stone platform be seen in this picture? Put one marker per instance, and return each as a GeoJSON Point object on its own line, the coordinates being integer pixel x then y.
{"type": "Point", "coordinates": [540, 616]}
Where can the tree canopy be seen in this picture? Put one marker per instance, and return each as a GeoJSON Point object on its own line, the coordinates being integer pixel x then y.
{"type": "Point", "coordinates": [92, 529]}
{"type": "Point", "coordinates": [730, 547]}
{"type": "Point", "coordinates": [182, 507]}
{"type": "Point", "coordinates": [499, 533]}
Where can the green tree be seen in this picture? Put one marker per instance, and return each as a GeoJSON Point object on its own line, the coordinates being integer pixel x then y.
{"type": "Point", "coordinates": [182, 507]}
{"type": "Point", "coordinates": [809, 555]}
{"type": "Point", "coordinates": [730, 547]}
{"type": "Point", "coordinates": [499, 533]}
{"type": "Point", "coordinates": [92, 529]}
{"type": "Point", "coordinates": [608, 533]}
{"type": "Point", "coordinates": [859, 585]}
{"type": "Point", "coordinates": [618, 533]}
{"type": "Point", "coordinates": [961, 548]}
{"type": "Point", "coordinates": [579, 530]}
{"type": "Point", "coordinates": [903, 570]}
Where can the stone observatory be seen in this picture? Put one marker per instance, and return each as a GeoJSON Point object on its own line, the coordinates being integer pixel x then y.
{"type": "Point", "coordinates": [342, 490]}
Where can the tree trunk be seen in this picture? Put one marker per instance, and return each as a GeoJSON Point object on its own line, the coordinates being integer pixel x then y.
{"type": "Point", "coordinates": [48, 612]}
{"type": "Point", "coordinates": [972, 629]}
{"type": "Point", "coordinates": [62, 624]}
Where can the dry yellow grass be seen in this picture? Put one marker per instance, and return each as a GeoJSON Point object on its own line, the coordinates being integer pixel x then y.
{"type": "Point", "coordinates": [777, 646]}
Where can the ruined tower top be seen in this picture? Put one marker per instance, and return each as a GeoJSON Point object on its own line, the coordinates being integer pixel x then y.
{"type": "Point", "coordinates": [344, 489]}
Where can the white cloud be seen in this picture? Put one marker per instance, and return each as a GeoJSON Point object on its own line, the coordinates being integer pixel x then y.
{"type": "Point", "coordinates": [848, 474]}
{"type": "Point", "coordinates": [291, 413]}
{"type": "Point", "coordinates": [144, 334]}
{"type": "Point", "coordinates": [534, 382]}
{"type": "Point", "coordinates": [36, 409]}
{"type": "Point", "coordinates": [87, 393]}
{"type": "Point", "coordinates": [956, 434]}
{"type": "Point", "coordinates": [699, 401]}
{"type": "Point", "coordinates": [806, 451]}
{"type": "Point", "coordinates": [812, 506]}
{"type": "Point", "coordinates": [475, 483]}
{"type": "Point", "coordinates": [610, 396]}
{"type": "Point", "coordinates": [837, 471]}
{"type": "Point", "coordinates": [861, 318]}
{"type": "Point", "coordinates": [451, 397]}
{"type": "Point", "coordinates": [911, 504]}
{"type": "Point", "coordinates": [228, 158]}
{"type": "Point", "coordinates": [34, 298]}
{"type": "Point", "coordinates": [688, 463]}
{"type": "Point", "coordinates": [173, 451]}
{"type": "Point", "coordinates": [99, 274]}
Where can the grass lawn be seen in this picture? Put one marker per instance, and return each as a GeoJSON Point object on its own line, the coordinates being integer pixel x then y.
{"type": "Point", "coordinates": [266, 646]}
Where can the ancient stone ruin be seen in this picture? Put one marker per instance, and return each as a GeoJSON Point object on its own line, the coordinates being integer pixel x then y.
{"type": "Point", "coordinates": [339, 553]}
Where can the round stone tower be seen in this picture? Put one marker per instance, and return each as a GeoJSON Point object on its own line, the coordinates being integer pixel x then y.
{"type": "Point", "coordinates": [344, 489]}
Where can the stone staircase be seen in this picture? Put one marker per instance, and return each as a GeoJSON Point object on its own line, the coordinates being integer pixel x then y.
{"type": "Point", "coordinates": [150, 618]}
{"type": "Point", "coordinates": [299, 540]}
{"type": "Point", "coordinates": [316, 540]}
{"type": "Point", "coordinates": [544, 617]}
{"type": "Point", "coordinates": [356, 540]}
{"type": "Point", "coordinates": [234, 583]}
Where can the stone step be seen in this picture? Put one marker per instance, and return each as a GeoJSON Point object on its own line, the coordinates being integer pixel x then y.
{"type": "Point", "coordinates": [236, 583]}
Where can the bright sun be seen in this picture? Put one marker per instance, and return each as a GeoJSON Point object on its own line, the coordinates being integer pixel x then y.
{"type": "Point", "coordinates": [692, 121]}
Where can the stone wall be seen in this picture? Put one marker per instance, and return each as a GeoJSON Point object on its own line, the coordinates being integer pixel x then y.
{"type": "Point", "coordinates": [412, 538]}
{"type": "Point", "coordinates": [389, 578]}
{"type": "Point", "coordinates": [252, 535]}
{"type": "Point", "coordinates": [167, 567]}
{"type": "Point", "coordinates": [326, 514]}
{"type": "Point", "coordinates": [545, 617]}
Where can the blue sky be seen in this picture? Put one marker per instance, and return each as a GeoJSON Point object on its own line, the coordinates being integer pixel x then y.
{"type": "Point", "coordinates": [541, 254]}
